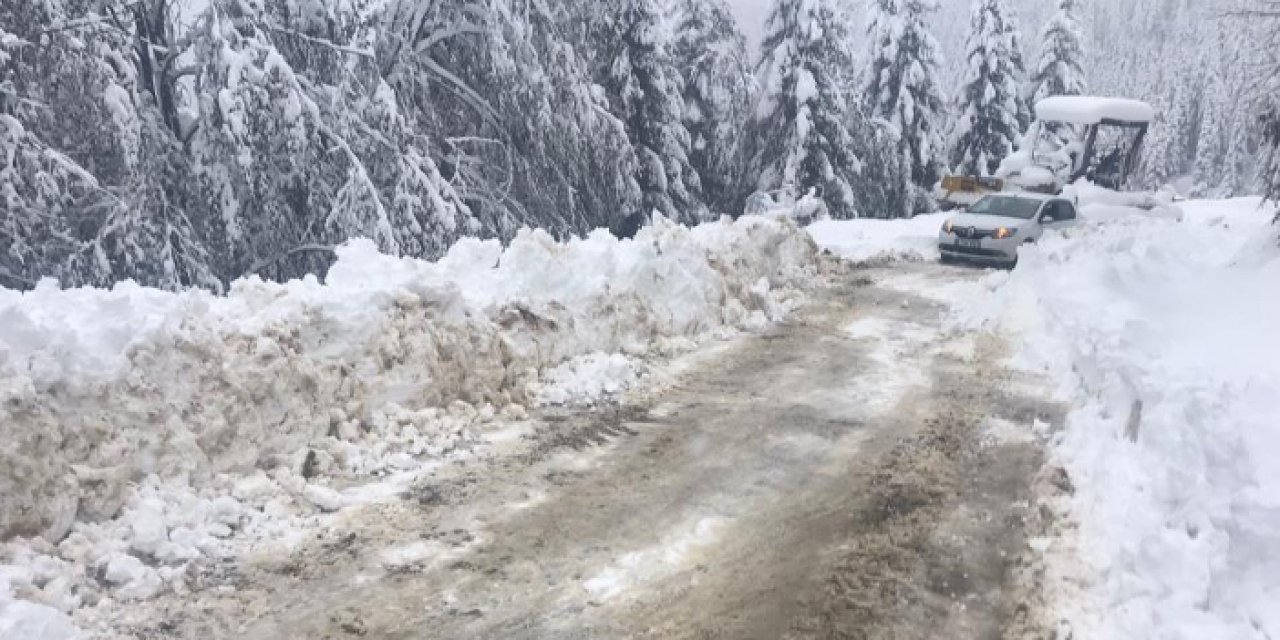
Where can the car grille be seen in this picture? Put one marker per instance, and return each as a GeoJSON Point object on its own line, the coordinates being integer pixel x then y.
{"type": "Point", "coordinates": [973, 251]}
{"type": "Point", "coordinates": [973, 233]}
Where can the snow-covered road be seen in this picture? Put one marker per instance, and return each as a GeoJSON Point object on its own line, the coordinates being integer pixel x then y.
{"type": "Point", "coordinates": [760, 488]}
{"type": "Point", "coordinates": [706, 433]}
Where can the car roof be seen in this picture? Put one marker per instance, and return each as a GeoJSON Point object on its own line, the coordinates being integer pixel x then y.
{"type": "Point", "coordinates": [1025, 195]}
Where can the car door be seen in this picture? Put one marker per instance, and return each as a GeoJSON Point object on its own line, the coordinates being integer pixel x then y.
{"type": "Point", "coordinates": [1067, 216]}
{"type": "Point", "coordinates": [1058, 214]}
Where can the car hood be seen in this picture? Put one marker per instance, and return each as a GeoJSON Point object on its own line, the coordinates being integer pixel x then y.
{"type": "Point", "coordinates": [988, 222]}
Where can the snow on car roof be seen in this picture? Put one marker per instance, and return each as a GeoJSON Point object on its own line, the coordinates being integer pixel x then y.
{"type": "Point", "coordinates": [1025, 195]}
{"type": "Point", "coordinates": [1091, 110]}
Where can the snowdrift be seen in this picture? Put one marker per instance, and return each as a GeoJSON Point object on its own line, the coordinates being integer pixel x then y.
{"type": "Point", "coordinates": [102, 388]}
{"type": "Point", "coordinates": [1163, 336]}
{"type": "Point", "coordinates": [872, 240]}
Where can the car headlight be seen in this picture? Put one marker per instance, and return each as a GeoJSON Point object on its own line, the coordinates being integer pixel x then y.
{"type": "Point", "coordinates": [948, 226]}
{"type": "Point", "coordinates": [1005, 232]}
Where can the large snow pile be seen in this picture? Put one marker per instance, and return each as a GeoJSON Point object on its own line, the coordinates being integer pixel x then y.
{"type": "Point", "coordinates": [870, 240]}
{"type": "Point", "coordinates": [1163, 334]}
{"type": "Point", "coordinates": [107, 397]}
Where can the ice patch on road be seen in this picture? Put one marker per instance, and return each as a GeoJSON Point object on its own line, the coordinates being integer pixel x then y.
{"type": "Point", "coordinates": [421, 555]}
{"type": "Point", "coordinates": [937, 287]}
{"type": "Point", "coordinates": [637, 568]}
{"type": "Point", "coordinates": [893, 345]}
{"type": "Point", "coordinates": [891, 334]}
{"type": "Point", "coordinates": [1003, 431]}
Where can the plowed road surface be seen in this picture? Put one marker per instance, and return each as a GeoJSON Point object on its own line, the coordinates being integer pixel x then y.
{"type": "Point", "coordinates": [857, 472]}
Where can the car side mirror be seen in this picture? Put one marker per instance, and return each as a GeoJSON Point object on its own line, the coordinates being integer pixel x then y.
{"type": "Point", "coordinates": [1046, 218]}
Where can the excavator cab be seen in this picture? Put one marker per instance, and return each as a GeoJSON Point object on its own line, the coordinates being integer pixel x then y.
{"type": "Point", "coordinates": [1080, 137]}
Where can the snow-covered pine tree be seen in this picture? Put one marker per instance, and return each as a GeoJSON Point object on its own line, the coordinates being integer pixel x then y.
{"type": "Point", "coordinates": [522, 136]}
{"type": "Point", "coordinates": [799, 134]}
{"type": "Point", "coordinates": [884, 188]}
{"type": "Point", "coordinates": [1269, 98]}
{"type": "Point", "coordinates": [902, 89]}
{"type": "Point", "coordinates": [988, 107]}
{"type": "Point", "coordinates": [576, 153]}
{"type": "Point", "coordinates": [1162, 160]}
{"type": "Point", "coordinates": [640, 78]}
{"type": "Point", "coordinates": [1239, 160]}
{"type": "Point", "coordinates": [1018, 60]}
{"type": "Point", "coordinates": [1214, 138]}
{"type": "Point", "coordinates": [1060, 67]}
{"type": "Point", "coordinates": [711, 55]}
{"type": "Point", "coordinates": [88, 186]}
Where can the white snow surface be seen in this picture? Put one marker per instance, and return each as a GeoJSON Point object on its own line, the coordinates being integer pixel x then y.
{"type": "Point", "coordinates": [1157, 314]}
{"type": "Point", "coordinates": [869, 239]}
{"type": "Point", "coordinates": [1093, 110]}
{"type": "Point", "coordinates": [145, 430]}
{"type": "Point", "coordinates": [589, 379]}
{"type": "Point", "coordinates": [1162, 335]}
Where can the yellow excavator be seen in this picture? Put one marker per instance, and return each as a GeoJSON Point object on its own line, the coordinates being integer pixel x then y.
{"type": "Point", "coordinates": [1073, 138]}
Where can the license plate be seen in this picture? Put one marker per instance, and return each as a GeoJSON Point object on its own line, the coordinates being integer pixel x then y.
{"type": "Point", "coordinates": [969, 243]}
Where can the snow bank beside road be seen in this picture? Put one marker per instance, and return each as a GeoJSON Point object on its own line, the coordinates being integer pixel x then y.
{"type": "Point", "coordinates": [869, 240]}
{"type": "Point", "coordinates": [1164, 337]}
{"type": "Point", "coordinates": [99, 389]}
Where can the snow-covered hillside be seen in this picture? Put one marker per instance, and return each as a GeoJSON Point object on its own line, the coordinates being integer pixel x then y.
{"type": "Point", "coordinates": [136, 421]}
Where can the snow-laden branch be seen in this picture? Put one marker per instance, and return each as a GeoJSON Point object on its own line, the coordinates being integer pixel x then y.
{"type": "Point", "coordinates": [328, 44]}
{"type": "Point", "coordinates": [5, 274]}
{"type": "Point", "coordinates": [280, 257]}
{"type": "Point", "coordinates": [79, 23]}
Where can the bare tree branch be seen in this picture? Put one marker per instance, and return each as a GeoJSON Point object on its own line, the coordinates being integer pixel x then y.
{"type": "Point", "coordinates": [305, 248]}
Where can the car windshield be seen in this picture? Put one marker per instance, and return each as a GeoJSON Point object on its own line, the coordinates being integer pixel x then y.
{"type": "Point", "coordinates": [1007, 207]}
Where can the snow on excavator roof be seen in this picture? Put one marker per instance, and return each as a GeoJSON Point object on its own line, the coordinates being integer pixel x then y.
{"type": "Point", "coordinates": [1090, 110]}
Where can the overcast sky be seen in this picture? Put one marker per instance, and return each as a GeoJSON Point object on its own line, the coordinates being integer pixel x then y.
{"type": "Point", "coordinates": [751, 15]}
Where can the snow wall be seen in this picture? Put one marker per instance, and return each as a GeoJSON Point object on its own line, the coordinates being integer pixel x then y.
{"type": "Point", "coordinates": [1162, 333]}
{"type": "Point", "coordinates": [100, 388]}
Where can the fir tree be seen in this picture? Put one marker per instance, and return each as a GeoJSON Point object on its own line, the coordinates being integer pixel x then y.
{"type": "Point", "coordinates": [1214, 138]}
{"type": "Point", "coordinates": [1018, 60]}
{"type": "Point", "coordinates": [711, 55]}
{"type": "Point", "coordinates": [642, 84]}
{"type": "Point", "coordinates": [1163, 152]}
{"type": "Point", "coordinates": [800, 131]}
{"type": "Point", "coordinates": [1060, 68]}
{"type": "Point", "coordinates": [988, 116]}
{"type": "Point", "coordinates": [902, 89]}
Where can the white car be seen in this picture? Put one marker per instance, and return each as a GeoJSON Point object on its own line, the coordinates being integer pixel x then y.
{"type": "Point", "coordinates": [992, 229]}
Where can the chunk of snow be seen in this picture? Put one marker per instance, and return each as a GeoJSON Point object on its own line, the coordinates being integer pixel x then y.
{"type": "Point", "coordinates": [133, 579]}
{"type": "Point", "coordinates": [324, 498]}
{"type": "Point", "coordinates": [588, 379]}
{"type": "Point", "coordinates": [21, 620]}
